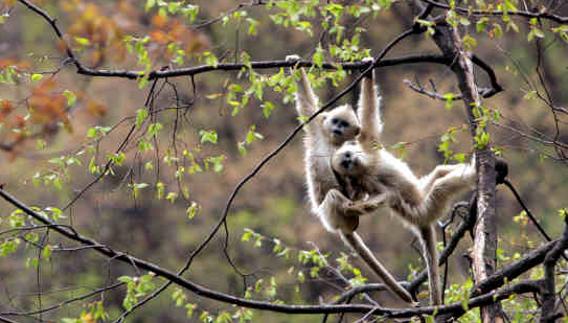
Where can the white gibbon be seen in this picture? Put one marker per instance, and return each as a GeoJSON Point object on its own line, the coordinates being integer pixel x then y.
{"type": "Point", "coordinates": [324, 135]}
{"type": "Point", "coordinates": [384, 180]}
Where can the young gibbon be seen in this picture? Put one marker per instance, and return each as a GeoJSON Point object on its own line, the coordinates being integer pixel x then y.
{"type": "Point", "coordinates": [373, 172]}
{"type": "Point", "coordinates": [323, 136]}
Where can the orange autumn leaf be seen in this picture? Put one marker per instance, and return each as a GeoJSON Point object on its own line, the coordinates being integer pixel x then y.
{"type": "Point", "coordinates": [96, 109]}
{"type": "Point", "coordinates": [6, 106]}
{"type": "Point", "coordinates": [45, 105]}
{"type": "Point", "coordinates": [159, 37]}
{"type": "Point", "coordinates": [159, 21]}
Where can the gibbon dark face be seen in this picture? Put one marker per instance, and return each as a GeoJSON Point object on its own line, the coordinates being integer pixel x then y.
{"type": "Point", "coordinates": [341, 123]}
{"type": "Point", "coordinates": [349, 159]}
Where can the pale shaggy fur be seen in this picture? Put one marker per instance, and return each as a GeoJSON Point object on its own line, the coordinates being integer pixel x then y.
{"type": "Point", "coordinates": [324, 135]}
{"type": "Point", "coordinates": [388, 181]}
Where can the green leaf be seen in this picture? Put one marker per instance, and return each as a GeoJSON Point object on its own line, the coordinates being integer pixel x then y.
{"type": "Point", "coordinates": [210, 59]}
{"type": "Point", "coordinates": [482, 140]}
{"type": "Point", "coordinates": [246, 235]}
{"type": "Point", "coordinates": [252, 26]}
{"type": "Point", "coordinates": [318, 56]}
{"type": "Point", "coordinates": [252, 135]}
{"type": "Point", "coordinates": [160, 189]}
{"type": "Point", "coordinates": [216, 161]}
{"type": "Point", "coordinates": [82, 41]}
{"type": "Point", "coordinates": [149, 4]}
{"type": "Point", "coordinates": [209, 136]}
{"type": "Point", "coordinates": [497, 31]}
{"type": "Point", "coordinates": [172, 197]}
{"type": "Point", "coordinates": [154, 129]}
{"type": "Point", "coordinates": [449, 98]}
{"type": "Point", "coordinates": [36, 77]}
{"type": "Point", "coordinates": [481, 24]}
{"type": "Point", "coordinates": [71, 97]}
{"type": "Point", "coordinates": [267, 108]}
{"type": "Point", "coordinates": [190, 308]}
{"type": "Point", "coordinates": [535, 33]}
{"type": "Point", "coordinates": [192, 210]}
{"type": "Point", "coordinates": [141, 116]}
{"type": "Point", "coordinates": [469, 42]}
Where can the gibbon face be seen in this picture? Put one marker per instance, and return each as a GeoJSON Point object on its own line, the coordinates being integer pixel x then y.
{"type": "Point", "coordinates": [349, 159]}
{"type": "Point", "coordinates": [341, 123]}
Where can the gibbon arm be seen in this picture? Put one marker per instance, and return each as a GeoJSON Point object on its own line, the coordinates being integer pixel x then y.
{"type": "Point", "coordinates": [369, 111]}
{"type": "Point", "coordinates": [305, 96]}
{"type": "Point", "coordinates": [306, 100]}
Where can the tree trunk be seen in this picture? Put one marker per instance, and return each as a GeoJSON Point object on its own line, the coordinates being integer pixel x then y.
{"type": "Point", "coordinates": [485, 241]}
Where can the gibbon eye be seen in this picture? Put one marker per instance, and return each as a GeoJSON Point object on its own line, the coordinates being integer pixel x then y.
{"type": "Point", "coordinates": [334, 121]}
{"type": "Point", "coordinates": [344, 124]}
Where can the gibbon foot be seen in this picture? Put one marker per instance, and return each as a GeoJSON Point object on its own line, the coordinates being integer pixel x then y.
{"type": "Point", "coordinates": [359, 208]}
{"type": "Point", "coordinates": [293, 58]}
{"type": "Point", "coordinates": [367, 61]}
{"type": "Point", "coordinates": [502, 170]}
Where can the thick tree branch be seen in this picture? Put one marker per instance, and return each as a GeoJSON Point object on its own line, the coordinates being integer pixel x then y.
{"type": "Point", "coordinates": [485, 240]}
{"type": "Point", "coordinates": [514, 270]}
{"type": "Point", "coordinates": [548, 310]}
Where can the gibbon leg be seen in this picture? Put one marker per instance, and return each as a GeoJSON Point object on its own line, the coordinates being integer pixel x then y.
{"type": "Point", "coordinates": [444, 189]}
{"type": "Point", "coordinates": [439, 171]}
{"type": "Point", "coordinates": [354, 240]}
{"type": "Point", "coordinates": [332, 209]}
{"type": "Point", "coordinates": [430, 253]}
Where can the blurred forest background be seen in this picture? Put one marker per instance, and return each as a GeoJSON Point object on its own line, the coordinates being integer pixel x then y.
{"type": "Point", "coordinates": [141, 209]}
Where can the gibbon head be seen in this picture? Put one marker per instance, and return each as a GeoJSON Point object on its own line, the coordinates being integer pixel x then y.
{"type": "Point", "coordinates": [350, 159]}
{"type": "Point", "coordinates": [341, 124]}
